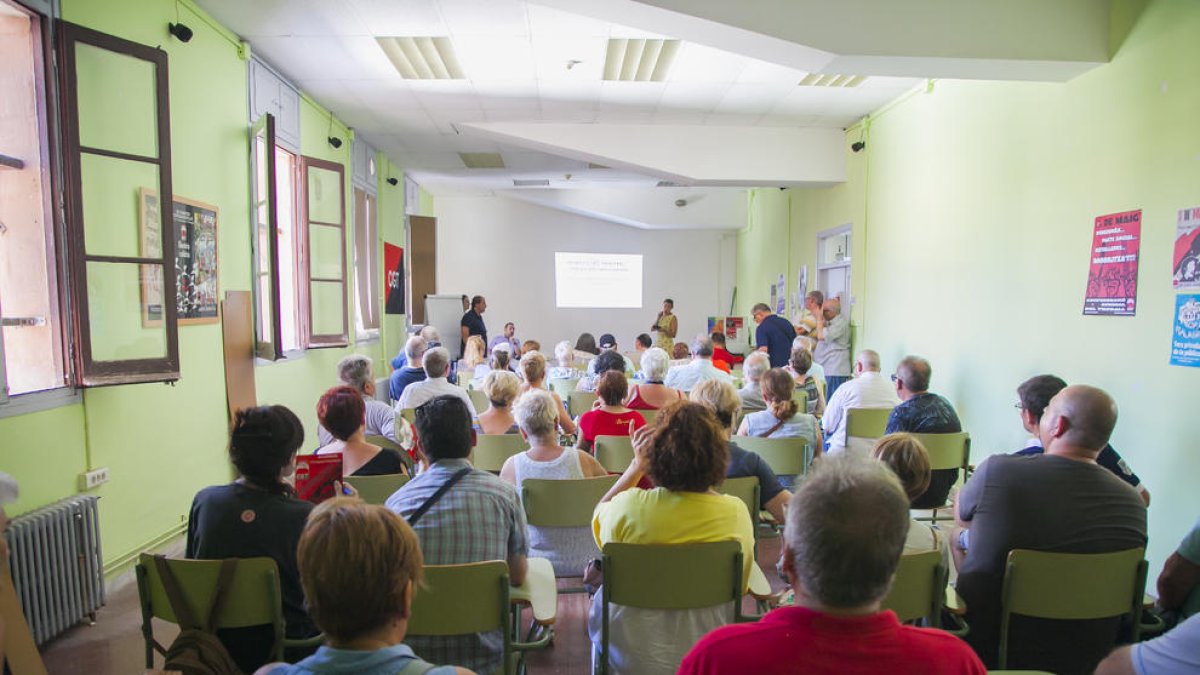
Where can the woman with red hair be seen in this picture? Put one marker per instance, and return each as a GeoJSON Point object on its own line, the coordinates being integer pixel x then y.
{"type": "Point", "coordinates": [342, 412]}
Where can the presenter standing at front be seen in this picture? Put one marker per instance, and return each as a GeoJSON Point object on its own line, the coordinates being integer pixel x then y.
{"type": "Point", "coordinates": [666, 326]}
{"type": "Point", "coordinates": [472, 322]}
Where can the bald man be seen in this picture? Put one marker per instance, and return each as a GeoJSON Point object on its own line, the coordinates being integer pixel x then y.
{"type": "Point", "coordinates": [1059, 501]}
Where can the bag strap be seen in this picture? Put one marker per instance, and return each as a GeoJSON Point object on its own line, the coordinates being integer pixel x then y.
{"type": "Point", "coordinates": [768, 432]}
{"type": "Point", "coordinates": [182, 612]}
{"type": "Point", "coordinates": [433, 499]}
{"type": "Point", "coordinates": [224, 579]}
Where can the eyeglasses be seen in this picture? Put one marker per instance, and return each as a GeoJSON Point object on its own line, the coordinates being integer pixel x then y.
{"type": "Point", "coordinates": [894, 378]}
{"type": "Point", "coordinates": [1018, 406]}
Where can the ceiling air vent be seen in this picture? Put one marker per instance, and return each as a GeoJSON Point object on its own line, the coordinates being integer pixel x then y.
{"type": "Point", "coordinates": [530, 182]}
{"type": "Point", "coordinates": [832, 80]}
{"type": "Point", "coordinates": [422, 58]}
{"type": "Point", "coordinates": [667, 183]}
{"type": "Point", "coordinates": [482, 160]}
{"type": "Point", "coordinates": [638, 60]}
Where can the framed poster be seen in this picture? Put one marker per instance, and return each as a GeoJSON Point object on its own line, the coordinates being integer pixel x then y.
{"type": "Point", "coordinates": [1113, 273]}
{"type": "Point", "coordinates": [194, 226]}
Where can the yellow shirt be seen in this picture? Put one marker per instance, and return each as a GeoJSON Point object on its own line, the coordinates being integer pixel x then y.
{"type": "Point", "coordinates": [660, 516]}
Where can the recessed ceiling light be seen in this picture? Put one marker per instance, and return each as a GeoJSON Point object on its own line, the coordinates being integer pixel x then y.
{"type": "Point", "coordinates": [832, 80]}
{"type": "Point", "coordinates": [528, 182]}
{"type": "Point", "coordinates": [422, 58]}
{"type": "Point", "coordinates": [639, 60]}
{"type": "Point", "coordinates": [482, 160]}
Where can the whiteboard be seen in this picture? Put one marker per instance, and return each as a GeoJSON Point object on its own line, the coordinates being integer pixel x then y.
{"type": "Point", "coordinates": [445, 312]}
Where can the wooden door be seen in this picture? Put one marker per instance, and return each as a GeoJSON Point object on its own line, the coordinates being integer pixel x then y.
{"type": "Point", "coordinates": [422, 247]}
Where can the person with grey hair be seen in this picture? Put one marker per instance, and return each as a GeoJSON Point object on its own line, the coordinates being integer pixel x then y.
{"type": "Point", "coordinates": [567, 548]}
{"type": "Point", "coordinates": [437, 367]}
{"type": "Point", "coordinates": [753, 368]}
{"type": "Point", "coordinates": [868, 389]}
{"type": "Point", "coordinates": [432, 339]}
{"type": "Point", "coordinates": [414, 351]}
{"type": "Point", "coordinates": [564, 368]}
{"type": "Point", "coordinates": [923, 412]}
{"type": "Point", "coordinates": [833, 344]}
{"type": "Point", "coordinates": [356, 371]}
{"type": "Point", "coordinates": [699, 369]}
{"type": "Point", "coordinates": [848, 509]}
{"type": "Point", "coordinates": [650, 393]}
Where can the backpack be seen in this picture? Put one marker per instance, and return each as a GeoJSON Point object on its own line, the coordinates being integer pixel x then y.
{"type": "Point", "coordinates": [197, 650]}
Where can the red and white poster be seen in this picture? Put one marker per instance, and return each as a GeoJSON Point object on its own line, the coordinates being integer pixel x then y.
{"type": "Point", "coordinates": [1186, 260]}
{"type": "Point", "coordinates": [1112, 277]}
{"type": "Point", "coordinates": [393, 279]}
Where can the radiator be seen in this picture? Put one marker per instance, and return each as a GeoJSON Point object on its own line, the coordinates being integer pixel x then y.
{"type": "Point", "coordinates": [56, 565]}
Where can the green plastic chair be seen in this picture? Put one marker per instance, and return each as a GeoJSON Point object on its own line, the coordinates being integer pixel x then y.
{"type": "Point", "coordinates": [669, 576]}
{"type": "Point", "coordinates": [564, 503]}
{"type": "Point", "coordinates": [580, 402]}
{"type": "Point", "coordinates": [252, 599]}
{"type": "Point", "coordinates": [1072, 586]}
{"type": "Point", "coordinates": [748, 490]}
{"type": "Point", "coordinates": [864, 426]}
{"type": "Point", "coordinates": [946, 451]}
{"type": "Point", "coordinates": [470, 598]}
{"type": "Point", "coordinates": [614, 453]}
{"type": "Point", "coordinates": [491, 450]}
{"type": "Point", "coordinates": [385, 442]}
{"type": "Point", "coordinates": [649, 415]}
{"type": "Point", "coordinates": [919, 590]}
{"type": "Point", "coordinates": [785, 456]}
{"type": "Point", "coordinates": [800, 396]}
{"type": "Point", "coordinates": [479, 400]}
{"type": "Point", "coordinates": [409, 414]}
{"type": "Point", "coordinates": [563, 387]}
{"type": "Point", "coordinates": [377, 489]}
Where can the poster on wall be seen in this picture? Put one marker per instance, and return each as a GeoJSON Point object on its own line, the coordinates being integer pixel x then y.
{"type": "Point", "coordinates": [194, 226]}
{"type": "Point", "coordinates": [780, 304]}
{"type": "Point", "coordinates": [1185, 337]}
{"type": "Point", "coordinates": [716, 324]}
{"type": "Point", "coordinates": [393, 281]}
{"type": "Point", "coordinates": [1186, 261]}
{"type": "Point", "coordinates": [1112, 276]}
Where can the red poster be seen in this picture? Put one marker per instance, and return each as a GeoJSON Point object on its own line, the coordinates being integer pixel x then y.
{"type": "Point", "coordinates": [315, 475]}
{"type": "Point", "coordinates": [1112, 278]}
{"type": "Point", "coordinates": [393, 281]}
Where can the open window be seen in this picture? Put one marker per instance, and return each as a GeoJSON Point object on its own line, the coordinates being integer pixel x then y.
{"type": "Point", "coordinates": [323, 287]}
{"type": "Point", "coordinates": [367, 276]}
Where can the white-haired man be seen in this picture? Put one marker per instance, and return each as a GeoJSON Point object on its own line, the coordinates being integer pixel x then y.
{"type": "Point", "coordinates": [413, 371]}
{"type": "Point", "coordinates": [753, 368]}
{"type": "Point", "coordinates": [356, 371]}
{"type": "Point", "coordinates": [868, 389]}
{"type": "Point", "coordinates": [699, 369]}
{"type": "Point", "coordinates": [437, 367]}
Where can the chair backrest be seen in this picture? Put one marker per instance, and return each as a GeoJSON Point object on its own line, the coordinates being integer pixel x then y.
{"type": "Point", "coordinates": [919, 588]}
{"type": "Point", "coordinates": [461, 599]}
{"type": "Point", "coordinates": [614, 453]}
{"type": "Point", "coordinates": [409, 414]}
{"type": "Point", "coordinates": [649, 415]}
{"type": "Point", "coordinates": [563, 503]}
{"type": "Point", "coordinates": [947, 451]}
{"type": "Point", "coordinates": [491, 450]}
{"type": "Point", "coordinates": [673, 576]}
{"type": "Point", "coordinates": [377, 489]}
{"type": "Point", "coordinates": [785, 456]}
{"type": "Point", "coordinates": [563, 386]}
{"type": "Point", "coordinates": [800, 396]}
{"type": "Point", "coordinates": [383, 390]}
{"type": "Point", "coordinates": [581, 402]}
{"type": "Point", "coordinates": [479, 400]}
{"type": "Point", "coordinates": [385, 442]}
{"type": "Point", "coordinates": [867, 422]}
{"type": "Point", "coordinates": [746, 489]}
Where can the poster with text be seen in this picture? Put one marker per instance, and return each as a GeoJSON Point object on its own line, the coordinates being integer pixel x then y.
{"type": "Point", "coordinates": [1112, 276]}
{"type": "Point", "coordinates": [1185, 338]}
{"type": "Point", "coordinates": [780, 305]}
{"type": "Point", "coordinates": [1186, 261]}
{"type": "Point", "coordinates": [393, 281]}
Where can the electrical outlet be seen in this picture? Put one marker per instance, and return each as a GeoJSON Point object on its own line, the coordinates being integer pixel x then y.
{"type": "Point", "coordinates": [93, 478]}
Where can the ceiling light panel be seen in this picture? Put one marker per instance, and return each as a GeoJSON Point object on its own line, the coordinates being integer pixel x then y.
{"type": "Point", "coordinates": [639, 59]}
{"type": "Point", "coordinates": [422, 58]}
{"type": "Point", "coordinates": [832, 80]}
{"type": "Point", "coordinates": [482, 160]}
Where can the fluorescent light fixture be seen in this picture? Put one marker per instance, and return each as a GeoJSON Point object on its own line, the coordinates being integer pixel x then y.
{"type": "Point", "coordinates": [530, 182]}
{"type": "Point", "coordinates": [422, 58]}
{"type": "Point", "coordinates": [639, 60]}
{"type": "Point", "coordinates": [482, 160]}
{"type": "Point", "coordinates": [832, 80]}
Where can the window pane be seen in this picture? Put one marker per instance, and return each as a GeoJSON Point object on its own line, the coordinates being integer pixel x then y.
{"type": "Point", "coordinates": [366, 265]}
{"type": "Point", "coordinates": [285, 197]}
{"type": "Point", "coordinates": [328, 299]}
{"type": "Point", "coordinates": [325, 252]}
{"type": "Point", "coordinates": [116, 97]}
{"type": "Point", "coordinates": [111, 206]}
{"type": "Point", "coordinates": [264, 297]}
{"type": "Point", "coordinates": [324, 196]}
{"type": "Point", "coordinates": [120, 328]}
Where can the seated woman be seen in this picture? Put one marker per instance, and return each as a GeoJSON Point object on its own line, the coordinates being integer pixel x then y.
{"type": "Point", "coordinates": [816, 370]}
{"type": "Point", "coordinates": [585, 347]}
{"type": "Point", "coordinates": [341, 411]}
{"type": "Point", "coordinates": [500, 360]}
{"type": "Point", "coordinates": [533, 367]}
{"type": "Point", "coordinates": [360, 566]}
{"type": "Point", "coordinates": [611, 418]}
{"type": "Point", "coordinates": [722, 399]}
{"type": "Point", "coordinates": [685, 452]}
{"type": "Point", "coordinates": [909, 460]}
{"type": "Point", "coordinates": [257, 515]}
{"type": "Point", "coordinates": [782, 418]}
{"type": "Point", "coordinates": [564, 356]}
{"type": "Point", "coordinates": [569, 549]}
{"type": "Point", "coordinates": [501, 388]}
{"type": "Point", "coordinates": [652, 394]}
{"type": "Point", "coordinates": [474, 356]}
{"type": "Point", "coordinates": [798, 366]}
{"type": "Point", "coordinates": [681, 352]}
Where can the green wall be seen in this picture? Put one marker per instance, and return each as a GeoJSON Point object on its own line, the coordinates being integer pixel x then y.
{"type": "Point", "coordinates": [162, 442]}
{"type": "Point", "coordinates": [973, 207]}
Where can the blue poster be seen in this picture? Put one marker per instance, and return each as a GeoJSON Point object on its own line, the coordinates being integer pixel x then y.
{"type": "Point", "coordinates": [1185, 339]}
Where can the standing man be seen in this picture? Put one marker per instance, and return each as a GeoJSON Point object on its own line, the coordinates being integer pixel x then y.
{"type": "Point", "coordinates": [833, 344]}
{"type": "Point", "coordinates": [472, 323]}
{"type": "Point", "coordinates": [773, 335]}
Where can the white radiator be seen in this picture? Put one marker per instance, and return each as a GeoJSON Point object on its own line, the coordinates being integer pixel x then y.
{"type": "Point", "coordinates": [56, 565]}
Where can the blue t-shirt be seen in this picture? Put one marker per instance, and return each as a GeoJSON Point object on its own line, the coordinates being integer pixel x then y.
{"type": "Point", "coordinates": [386, 661]}
{"type": "Point", "coordinates": [400, 379]}
{"type": "Point", "coordinates": [743, 463]}
{"type": "Point", "coordinates": [776, 334]}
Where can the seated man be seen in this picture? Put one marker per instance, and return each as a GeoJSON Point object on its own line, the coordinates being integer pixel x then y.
{"type": "Point", "coordinates": [608, 343]}
{"type": "Point", "coordinates": [1179, 583]}
{"type": "Point", "coordinates": [1035, 393]}
{"type": "Point", "coordinates": [848, 509]}
{"type": "Point", "coordinates": [1059, 501]}
{"type": "Point", "coordinates": [700, 368]}
{"type": "Point", "coordinates": [414, 371]}
{"type": "Point", "coordinates": [432, 339]}
{"type": "Point", "coordinates": [923, 412]}
{"type": "Point", "coordinates": [868, 389]}
{"type": "Point", "coordinates": [437, 367]}
{"type": "Point", "coordinates": [753, 368]}
{"type": "Point", "coordinates": [720, 353]}
{"type": "Point", "coordinates": [478, 518]}
{"type": "Point", "coordinates": [355, 371]}
{"type": "Point", "coordinates": [1176, 652]}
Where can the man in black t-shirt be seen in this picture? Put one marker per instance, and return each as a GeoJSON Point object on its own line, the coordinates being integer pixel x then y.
{"type": "Point", "coordinates": [774, 335]}
{"type": "Point", "coordinates": [923, 412]}
{"type": "Point", "coordinates": [472, 322]}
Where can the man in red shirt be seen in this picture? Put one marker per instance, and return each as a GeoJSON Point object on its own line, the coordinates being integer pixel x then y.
{"type": "Point", "coordinates": [845, 531]}
{"type": "Point", "coordinates": [722, 355]}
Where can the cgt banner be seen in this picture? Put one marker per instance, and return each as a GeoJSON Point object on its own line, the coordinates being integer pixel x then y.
{"type": "Point", "coordinates": [1113, 275]}
{"type": "Point", "coordinates": [393, 279]}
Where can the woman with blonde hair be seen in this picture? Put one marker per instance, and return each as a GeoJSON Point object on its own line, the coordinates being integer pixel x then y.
{"type": "Point", "coordinates": [474, 354]}
{"type": "Point", "coordinates": [904, 454]}
{"type": "Point", "coordinates": [783, 417]}
{"type": "Point", "coordinates": [533, 367]}
{"type": "Point", "coordinates": [652, 394]}
{"type": "Point", "coordinates": [501, 388]}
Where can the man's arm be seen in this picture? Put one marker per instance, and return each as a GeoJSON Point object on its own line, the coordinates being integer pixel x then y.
{"type": "Point", "coordinates": [1120, 662]}
{"type": "Point", "coordinates": [1177, 581]}
{"type": "Point", "coordinates": [777, 506]}
{"type": "Point", "coordinates": [466, 333]}
{"type": "Point", "coordinates": [518, 566]}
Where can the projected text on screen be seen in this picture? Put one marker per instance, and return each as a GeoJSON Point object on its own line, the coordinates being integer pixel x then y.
{"type": "Point", "coordinates": [598, 280]}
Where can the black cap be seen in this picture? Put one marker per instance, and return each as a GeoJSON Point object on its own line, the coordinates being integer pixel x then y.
{"type": "Point", "coordinates": [607, 341]}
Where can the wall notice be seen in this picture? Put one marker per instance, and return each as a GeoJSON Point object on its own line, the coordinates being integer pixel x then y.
{"type": "Point", "coordinates": [1186, 270]}
{"type": "Point", "coordinates": [1112, 276]}
{"type": "Point", "coordinates": [393, 279]}
{"type": "Point", "coordinates": [1185, 338]}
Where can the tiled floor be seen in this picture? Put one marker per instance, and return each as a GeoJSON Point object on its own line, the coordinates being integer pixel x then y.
{"type": "Point", "coordinates": [113, 646]}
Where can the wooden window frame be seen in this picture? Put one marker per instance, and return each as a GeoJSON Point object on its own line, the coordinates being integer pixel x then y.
{"type": "Point", "coordinates": [90, 372]}
{"type": "Point", "coordinates": [269, 348]}
{"type": "Point", "coordinates": [366, 294]}
{"type": "Point", "coordinates": [309, 339]}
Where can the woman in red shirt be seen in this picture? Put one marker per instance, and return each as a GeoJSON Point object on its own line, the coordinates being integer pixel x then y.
{"type": "Point", "coordinates": [611, 417]}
